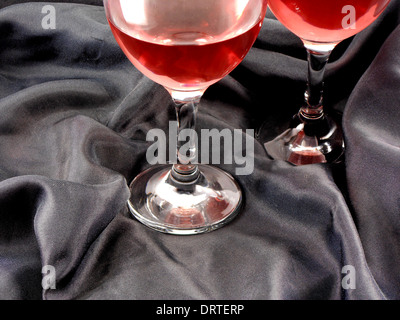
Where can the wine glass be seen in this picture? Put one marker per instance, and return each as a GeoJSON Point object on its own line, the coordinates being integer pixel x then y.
{"type": "Point", "coordinates": [314, 136]}
{"type": "Point", "coordinates": [185, 46]}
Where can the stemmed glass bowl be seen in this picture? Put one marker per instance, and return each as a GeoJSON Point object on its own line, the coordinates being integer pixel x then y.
{"type": "Point", "coordinates": [185, 46]}
{"type": "Point", "coordinates": [314, 136]}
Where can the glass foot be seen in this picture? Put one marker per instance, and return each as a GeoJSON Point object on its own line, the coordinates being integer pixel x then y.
{"type": "Point", "coordinates": [161, 203]}
{"type": "Point", "coordinates": [308, 141]}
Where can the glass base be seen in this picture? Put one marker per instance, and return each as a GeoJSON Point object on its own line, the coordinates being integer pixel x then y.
{"type": "Point", "coordinates": [308, 141]}
{"type": "Point", "coordinates": [160, 202]}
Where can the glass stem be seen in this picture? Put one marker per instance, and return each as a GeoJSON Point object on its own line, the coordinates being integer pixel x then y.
{"type": "Point", "coordinates": [185, 170]}
{"type": "Point", "coordinates": [317, 61]}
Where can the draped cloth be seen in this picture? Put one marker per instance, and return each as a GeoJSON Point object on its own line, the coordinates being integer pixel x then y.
{"type": "Point", "coordinates": [74, 114]}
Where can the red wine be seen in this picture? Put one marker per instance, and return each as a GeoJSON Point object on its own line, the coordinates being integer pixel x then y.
{"type": "Point", "coordinates": [328, 21]}
{"type": "Point", "coordinates": [190, 54]}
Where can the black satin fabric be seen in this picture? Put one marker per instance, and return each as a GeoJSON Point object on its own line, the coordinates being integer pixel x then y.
{"type": "Point", "coordinates": [74, 114]}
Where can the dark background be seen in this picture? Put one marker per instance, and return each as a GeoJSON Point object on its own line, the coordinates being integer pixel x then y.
{"type": "Point", "coordinates": [6, 3]}
{"type": "Point", "coordinates": [74, 114]}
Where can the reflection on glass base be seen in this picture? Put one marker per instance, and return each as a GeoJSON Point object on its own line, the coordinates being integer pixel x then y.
{"type": "Point", "coordinates": [308, 141]}
{"type": "Point", "coordinates": [161, 203]}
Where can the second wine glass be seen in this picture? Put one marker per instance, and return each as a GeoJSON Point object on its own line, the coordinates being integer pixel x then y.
{"type": "Point", "coordinates": [186, 46]}
{"type": "Point", "coordinates": [315, 137]}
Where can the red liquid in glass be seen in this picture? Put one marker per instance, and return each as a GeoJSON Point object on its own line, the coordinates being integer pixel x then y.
{"type": "Point", "coordinates": [188, 66]}
{"type": "Point", "coordinates": [324, 20]}
{"type": "Point", "coordinates": [188, 54]}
